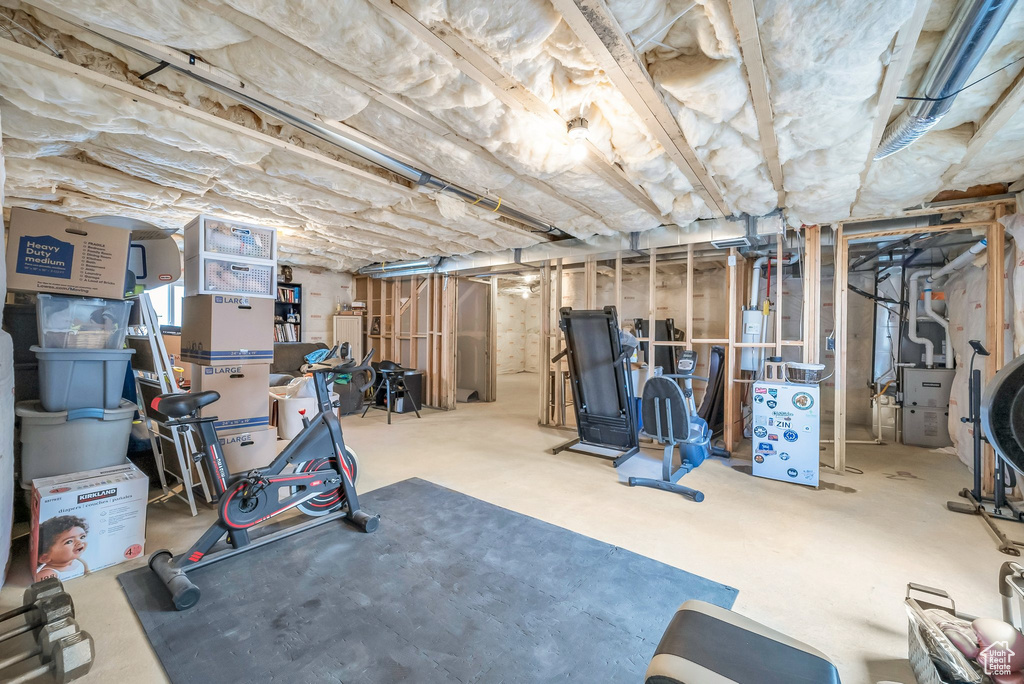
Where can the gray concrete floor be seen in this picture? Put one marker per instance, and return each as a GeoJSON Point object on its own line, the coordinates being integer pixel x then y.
{"type": "Point", "coordinates": [827, 566]}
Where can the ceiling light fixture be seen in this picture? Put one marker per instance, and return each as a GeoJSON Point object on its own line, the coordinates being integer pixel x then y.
{"type": "Point", "coordinates": [578, 133]}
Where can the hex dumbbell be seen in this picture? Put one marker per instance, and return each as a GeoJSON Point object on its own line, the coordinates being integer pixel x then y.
{"type": "Point", "coordinates": [49, 636]}
{"type": "Point", "coordinates": [71, 658]}
{"type": "Point", "coordinates": [50, 586]}
{"type": "Point", "coordinates": [42, 611]}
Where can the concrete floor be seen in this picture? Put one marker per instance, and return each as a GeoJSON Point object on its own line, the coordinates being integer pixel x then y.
{"type": "Point", "coordinates": [827, 566]}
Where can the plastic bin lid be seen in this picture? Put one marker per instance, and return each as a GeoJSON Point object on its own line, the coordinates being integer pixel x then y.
{"type": "Point", "coordinates": [34, 412]}
{"type": "Point", "coordinates": [76, 354]}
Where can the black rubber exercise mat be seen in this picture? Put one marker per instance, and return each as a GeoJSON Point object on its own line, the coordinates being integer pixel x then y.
{"type": "Point", "coordinates": [449, 589]}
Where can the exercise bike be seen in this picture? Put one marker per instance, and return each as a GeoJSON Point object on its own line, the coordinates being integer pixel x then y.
{"type": "Point", "coordinates": [670, 417]}
{"type": "Point", "coordinates": [321, 485]}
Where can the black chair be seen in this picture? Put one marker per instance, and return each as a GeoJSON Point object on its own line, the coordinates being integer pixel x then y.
{"type": "Point", "coordinates": [391, 383]}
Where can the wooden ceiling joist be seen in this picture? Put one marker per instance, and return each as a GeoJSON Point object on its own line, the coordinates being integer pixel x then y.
{"type": "Point", "coordinates": [594, 25]}
{"type": "Point", "coordinates": [486, 71]}
{"type": "Point", "coordinates": [998, 115]}
{"type": "Point", "coordinates": [404, 109]}
{"type": "Point", "coordinates": [745, 19]}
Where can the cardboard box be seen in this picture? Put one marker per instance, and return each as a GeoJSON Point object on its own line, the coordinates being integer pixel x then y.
{"type": "Point", "coordinates": [51, 253]}
{"type": "Point", "coordinates": [220, 330]}
{"type": "Point", "coordinates": [86, 521]}
{"type": "Point", "coordinates": [248, 449]}
{"type": "Point", "coordinates": [243, 395]}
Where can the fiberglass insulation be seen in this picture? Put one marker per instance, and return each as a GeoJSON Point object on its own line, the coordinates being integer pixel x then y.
{"type": "Point", "coordinates": [916, 174]}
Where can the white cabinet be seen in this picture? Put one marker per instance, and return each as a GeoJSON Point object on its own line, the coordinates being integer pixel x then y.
{"type": "Point", "coordinates": [350, 329]}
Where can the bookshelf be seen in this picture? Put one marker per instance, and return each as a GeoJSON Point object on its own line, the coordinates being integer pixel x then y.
{"type": "Point", "coordinates": [288, 313]}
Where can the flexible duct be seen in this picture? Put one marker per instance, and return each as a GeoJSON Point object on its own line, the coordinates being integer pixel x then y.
{"type": "Point", "coordinates": [974, 25]}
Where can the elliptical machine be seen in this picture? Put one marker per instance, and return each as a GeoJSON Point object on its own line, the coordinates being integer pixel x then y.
{"type": "Point", "coordinates": [321, 485]}
{"type": "Point", "coordinates": [1003, 399]}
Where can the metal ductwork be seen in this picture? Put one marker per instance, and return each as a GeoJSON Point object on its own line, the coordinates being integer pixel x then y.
{"type": "Point", "coordinates": [391, 269]}
{"type": "Point", "coordinates": [974, 25]}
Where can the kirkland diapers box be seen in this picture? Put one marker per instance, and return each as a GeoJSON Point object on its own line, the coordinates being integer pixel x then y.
{"type": "Point", "coordinates": [86, 521]}
{"type": "Point", "coordinates": [51, 253]}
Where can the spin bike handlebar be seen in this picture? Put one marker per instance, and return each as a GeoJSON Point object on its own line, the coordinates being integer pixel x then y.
{"type": "Point", "coordinates": [343, 368]}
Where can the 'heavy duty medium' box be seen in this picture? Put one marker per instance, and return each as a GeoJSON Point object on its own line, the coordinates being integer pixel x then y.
{"type": "Point", "coordinates": [222, 330]}
{"type": "Point", "coordinates": [243, 395]}
{"type": "Point", "coordinates": [51, 253]}
{"type": "Point", "coordinates": [86, 521]}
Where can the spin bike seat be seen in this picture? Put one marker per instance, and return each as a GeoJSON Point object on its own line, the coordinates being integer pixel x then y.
{"type": "Point", "coordinates": [181, 405]}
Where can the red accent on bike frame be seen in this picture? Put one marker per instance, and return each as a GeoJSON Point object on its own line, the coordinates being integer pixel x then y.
{"type": "Point", "coordinates": [196, 555]}
{"type": "Point", "coordinates": [271, 515]}
{"type": "Point", "coordinates": [344, 464]}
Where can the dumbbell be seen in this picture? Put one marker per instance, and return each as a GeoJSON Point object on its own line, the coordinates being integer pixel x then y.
{"type": "Point", "coordinates": [42, 611]}
{"type": "Point", "coordinates": [49, 635]}
{"type": "Point", "coordinates": [51, 586]}
{"type": "Point", "coordinates": [71, 658]}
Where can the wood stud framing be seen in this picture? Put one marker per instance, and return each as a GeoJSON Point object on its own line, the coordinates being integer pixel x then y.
{"type": "Point", "coordinates": [436, 328]}
{"type": "Point", "coordinates": [994, 309]}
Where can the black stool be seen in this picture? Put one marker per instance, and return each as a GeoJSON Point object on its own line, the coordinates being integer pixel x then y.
{"type": "Point", "coordinates": [392, 384]}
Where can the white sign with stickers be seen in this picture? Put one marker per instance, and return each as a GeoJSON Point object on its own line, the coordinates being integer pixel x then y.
{"type": "Point", "coordinates": [785, 432]}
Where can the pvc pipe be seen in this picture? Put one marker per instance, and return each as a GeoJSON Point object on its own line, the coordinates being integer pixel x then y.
{"type": "Point", "coordinates": [930, 312]}
{"type": "Point", "coordinates": [960, 261]}
{"type": "Point", "coordinates": [755, 282]}
{"type": "Point", "coordinates": [915, 293]}
{"type": "Point", "coordinates": [953, 265]}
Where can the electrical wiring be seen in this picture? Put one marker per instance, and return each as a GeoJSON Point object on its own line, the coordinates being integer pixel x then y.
{"type": "Point", "coordinates": [957, 92]}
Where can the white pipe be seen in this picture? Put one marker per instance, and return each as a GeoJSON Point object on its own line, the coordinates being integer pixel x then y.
{"type": "Point", "coordinates": [755, 287]}
{"type": "Point", "coordinates": [915, 292]}
{"type": "Point", "coordinates": [755, 282]}
{"type": "Point", "coordinates": [960, 261]}
{"type": "Point", "coordinates": [930, 312]}
{"type": "Point", "coordinates": [953, 265]}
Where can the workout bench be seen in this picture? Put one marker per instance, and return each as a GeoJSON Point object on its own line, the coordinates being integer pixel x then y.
{"type": "Point", "coordinates": [705, 644]}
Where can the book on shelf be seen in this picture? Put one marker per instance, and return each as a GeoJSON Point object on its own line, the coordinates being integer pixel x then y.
{"type": "Point", "coordinates": [289, 295]}
{"type": "Point", "coordinates": [286, 332]}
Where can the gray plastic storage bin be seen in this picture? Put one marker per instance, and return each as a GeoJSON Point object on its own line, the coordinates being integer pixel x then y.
{"type": "Point", "coordinates": [81, 378]}
{"type": "Point", "coordinates": [63, 442]}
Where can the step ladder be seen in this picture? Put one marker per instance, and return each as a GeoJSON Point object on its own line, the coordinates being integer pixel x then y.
{"type": "Point", "coordinates": [154, 375]}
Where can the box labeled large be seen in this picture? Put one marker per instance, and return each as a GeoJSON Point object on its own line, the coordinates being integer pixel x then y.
{"type": "Point", "coordinates": [222, 330]}
{"type": "Point", "coordinates": [248, 449]}
{"type": "Point", "coordinates": [243, 395]}
{"type": "Point", "coordinates": [86, 521]}
{"type": "Point", "coordinates": [51, 253]}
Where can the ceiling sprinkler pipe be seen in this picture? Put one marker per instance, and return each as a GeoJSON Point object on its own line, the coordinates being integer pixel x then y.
{"type": "Point", "coordinates": [974, 25]}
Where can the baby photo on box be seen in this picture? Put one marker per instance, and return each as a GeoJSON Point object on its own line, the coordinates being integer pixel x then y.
{"type": "Point", "coordinates": [86, 521]}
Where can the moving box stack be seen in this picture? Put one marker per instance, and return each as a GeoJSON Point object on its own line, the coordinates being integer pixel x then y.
{"type": "Point", "coordinates": [227, 332]}
{"type": "Point", "coordinates": [79, 270]}
{"type": "Point", "coordinates": [75, 435]}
